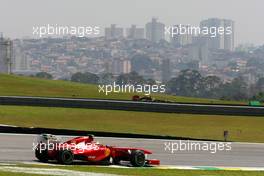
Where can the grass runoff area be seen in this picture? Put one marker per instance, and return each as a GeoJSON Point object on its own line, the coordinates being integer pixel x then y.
{"type": "Point", "coordinates": [17, 174]}
{"type": "Point", "coordinates": [12, 85]}
{"type": "Point", "coordinates": [137, 171]}
{"type": "Point", "coordinates": [249, 129]}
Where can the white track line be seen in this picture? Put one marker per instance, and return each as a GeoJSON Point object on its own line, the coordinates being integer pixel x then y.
{"type": "Point", "coordinates": [52, 171]}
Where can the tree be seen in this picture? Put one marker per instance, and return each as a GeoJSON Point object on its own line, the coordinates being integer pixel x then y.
{"type": "Point", "coordinates": [260, 85]}
{"type": "Point", "coordinates": [141, 62]}
{"type": "Point", "coordinates": [150, 81]}
{"type": "Point", "coordinates": [188, 83]}
{"type": "Point", "coordinates": [106, 78]}
{"type": "Point", "coordinates": [130, 78]}
{"type": "Point", "coordinates": [87, 77]}
{"type": "Point", "coordinates": [236, 90]}
{"type": "Point", "coordinates": [259, 97]}
{"type": "Point", "coordinates": [44, 75]}
{"type": "Point", "coordinates": [211, 85]}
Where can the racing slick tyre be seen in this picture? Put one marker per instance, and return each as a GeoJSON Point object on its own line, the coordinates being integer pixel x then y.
{"type": "Point", "coordinates": [137, 158]}
{"type": "Point", "coordinates": [42, 156]}
{"type": "Point", "coordinates": [65, 157]}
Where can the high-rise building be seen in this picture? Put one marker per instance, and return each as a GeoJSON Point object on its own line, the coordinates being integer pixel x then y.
{"type": "Point", "coordinates": [126, 66]}
{"type": "Point", "coordinates": [121, 66]}
{"type": "Point", "coordinates": [155, 30]}
{"type": "Point", "coordinates": [114, 32]}
{"type": "Point", "coordinates": [198, 50]}
{"type": "Point", "coordinates": [165, 70]}
{"type": "Point", "coordinates": [180, 39]}
{"type": "Point", "coordinates": [229, 39]}
{"type": "Point", "coordinates": [135, 33]}
{"type": "Point", "coordinates": [220, 41]}
{"type": "Point", "coordinates": [5, 55]}
{"type": "Point", "coordinates": [20, 61]}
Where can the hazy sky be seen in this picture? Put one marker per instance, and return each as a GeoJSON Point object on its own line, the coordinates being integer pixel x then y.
{"type": "Point", "coordinates": [17, 17]}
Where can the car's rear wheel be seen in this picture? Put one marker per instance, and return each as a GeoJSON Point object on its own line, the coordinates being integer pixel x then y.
{"type": "Point", "coordinates": [42, 156]}
{"type": "Point", "coordinates": [138, 158]}
{"type": "Point", "coordinates": [65, 157]}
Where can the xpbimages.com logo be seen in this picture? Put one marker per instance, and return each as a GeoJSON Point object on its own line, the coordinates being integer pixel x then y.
{"type": "Point", "coordinates": [146, 89]}
{"type": "Point", "coordinates": [61, 30]}
{"type": "Point", "coordinates": [211, 147]}
{"type": "Point", "coordinates": [213, 31]}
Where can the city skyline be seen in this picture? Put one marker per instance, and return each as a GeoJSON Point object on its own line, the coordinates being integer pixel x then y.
{"type": "Point", "coordinates": [17, 20]}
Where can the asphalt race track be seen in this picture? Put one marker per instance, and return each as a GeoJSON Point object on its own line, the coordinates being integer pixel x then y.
{"type": "Point", "coordinates": [18, 148]}
{"type": "Point", "coordinates": [188, 108]}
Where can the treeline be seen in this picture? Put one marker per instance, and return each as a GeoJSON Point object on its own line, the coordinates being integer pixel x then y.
{"type": "Point", "coordinates": [108, 78]}
{"type": "Point", "coordinates": [192, 83]}
{"type": "Point", "coordinates": [188, 83]}
{"type": "Point", "coordinates": [105, 78]}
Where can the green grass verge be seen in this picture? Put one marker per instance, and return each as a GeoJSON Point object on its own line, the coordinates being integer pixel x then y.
{"type": "Point", "coordinates": [250, 129]}
{"type": "Point", "coordinates": [12, 85]}
{"type": "Point", "coordinates": [148, 171]}
{"type": "Point", "coordinates": [18, 174]}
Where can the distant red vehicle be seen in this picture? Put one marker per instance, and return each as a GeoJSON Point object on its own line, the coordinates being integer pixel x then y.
{"type": "Point", "coordinates": [85, 149]}
{"type": "Point", "coordinates": [149, 99]}
{"type": "Point", "coordinates": [144, 98]}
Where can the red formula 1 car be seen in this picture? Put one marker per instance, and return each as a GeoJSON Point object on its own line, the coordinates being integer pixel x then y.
{"type": "Point", "coordinates": [85, 149]}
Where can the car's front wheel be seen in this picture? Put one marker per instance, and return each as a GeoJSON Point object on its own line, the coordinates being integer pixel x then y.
{"type": "Point", "coordinates": [138, 158]}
